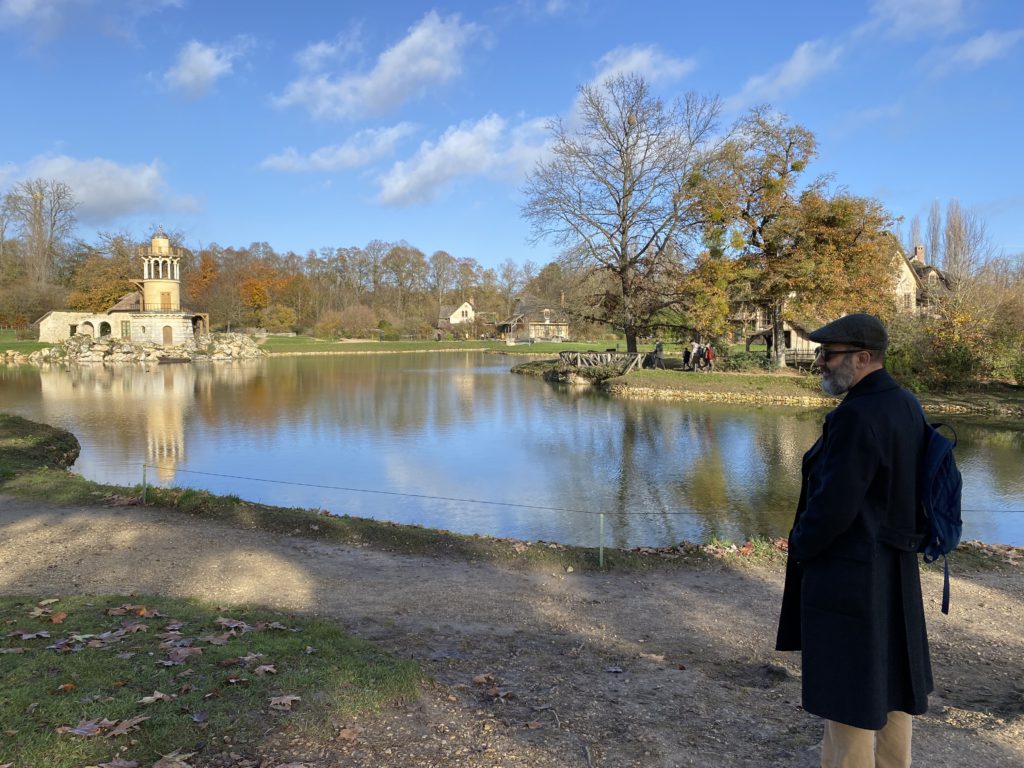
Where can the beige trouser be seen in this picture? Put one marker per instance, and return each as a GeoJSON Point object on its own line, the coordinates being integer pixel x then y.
{"type": "Point", "coordinates": [847, 747]}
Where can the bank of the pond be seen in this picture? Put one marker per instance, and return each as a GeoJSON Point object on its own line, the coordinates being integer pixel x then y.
{"type": "Point", "coordinates": [540, 667]}
{"type": "Point", "coordinates": [791, 388]}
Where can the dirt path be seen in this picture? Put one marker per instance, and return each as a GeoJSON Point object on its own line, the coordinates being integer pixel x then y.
{"type": "Point", "coordinates": [666, 669]}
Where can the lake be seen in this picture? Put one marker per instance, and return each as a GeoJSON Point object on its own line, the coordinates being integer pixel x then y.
{"type": "Point", "coordinates": [453, 440]}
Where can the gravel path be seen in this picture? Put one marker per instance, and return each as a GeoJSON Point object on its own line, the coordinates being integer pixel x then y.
{"type": "Point", "coordinates": [674, 668]}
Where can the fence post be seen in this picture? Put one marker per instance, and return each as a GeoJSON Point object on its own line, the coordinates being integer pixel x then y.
{"type": "Point", "coordinates": [600, 543]}
{"type": "Point", "coordinates": [143, 484]}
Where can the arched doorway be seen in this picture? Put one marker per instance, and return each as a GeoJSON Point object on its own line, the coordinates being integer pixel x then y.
{"type": "Point", "coordinates": [104, 329]}
{"type": "Point", "coordinates": [86, 329]}
{"type": "Point", "coordinates": [168, 336]}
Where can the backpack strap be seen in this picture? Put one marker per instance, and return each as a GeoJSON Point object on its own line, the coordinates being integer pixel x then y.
{"type": "Point", "coordinates": [945, 586]}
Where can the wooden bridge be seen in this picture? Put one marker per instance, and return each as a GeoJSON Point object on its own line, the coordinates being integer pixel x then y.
{"type": "Point", "coordinates": [625, 360]}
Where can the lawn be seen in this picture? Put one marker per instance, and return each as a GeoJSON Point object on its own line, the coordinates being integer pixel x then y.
{"type": "Point", "coordinates": [87, 679]}
{"type": "Point", "coordinates": [10, 341]}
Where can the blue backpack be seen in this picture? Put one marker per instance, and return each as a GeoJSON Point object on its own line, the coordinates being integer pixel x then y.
{"type": "Point", "coordinates": [940, 489]}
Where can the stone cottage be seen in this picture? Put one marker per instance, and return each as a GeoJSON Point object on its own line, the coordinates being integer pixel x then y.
{"type": "Point", "coordinates": [151, 314]}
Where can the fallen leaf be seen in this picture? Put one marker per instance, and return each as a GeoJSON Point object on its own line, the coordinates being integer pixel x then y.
{"type": "Point", "coordinates": [58, 617]}
{"type": "Point", "coordinates": [117, 762]}
{"type": "Point", "coordinates": [747, 548]}
{"type": "Point", "coordinates": [534, 725]}
{"type": "Point", "coordinates": [200, 717]}
{"type": "Point", "coordinates": [131, 724]}
{"type": "Point", "coordinates": [232, 623]}
{"type": "Point", "coordinates": [84, 728]}
{"type": "Point", "coordinates": [350, 733]}
{"type": "Point", "coordinates": [487, 679]}
{"type": "Point", "coordinates": [219, 639]}
{"type": "Point", "coordinates": [65, 687]}
{"type": "Point", "coordinates": [262, 626]}
{"type": "Point", "coordinates": [174, 760]}
{"type": "Point", "coordinates": [157, 696]}
{"type": "Point", "coordinates": [49, 601]}
{"type": "Point", "coordinates": [13, 650]}
{"type": "Point", "coordinates": [284, 703]}
{"type": "Point", "coordinates": [265, 669]}
{"type": "Point", "coordinates": [180, 654]}
{"type": "Point", "coordinates": [27, 634]}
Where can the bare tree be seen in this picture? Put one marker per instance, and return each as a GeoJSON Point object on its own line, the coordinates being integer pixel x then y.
{"type": "Point", "coordinates": [967, 245]}
{"type": "Point", "coordinates": [935, 233]}
{"type": "Point", "coordinates": [441, 274]}
{"type": "Point", "coordinates": [44, 210]}
{"type": "Point", "coordinates": [510, 283]}
{"type": "Point", "coordinates": [913, 236]}
{"type": "Point", "coordinates": [620, 193]}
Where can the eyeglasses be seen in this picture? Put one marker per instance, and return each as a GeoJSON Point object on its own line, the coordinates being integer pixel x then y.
{"type": "Point", "coordinates": [827, 354]}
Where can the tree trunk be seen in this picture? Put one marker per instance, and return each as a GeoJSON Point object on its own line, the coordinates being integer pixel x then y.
{"type": "Point", "coordinates": [778, 339]}
{"type": "Point", "coordinates": [630, 339]}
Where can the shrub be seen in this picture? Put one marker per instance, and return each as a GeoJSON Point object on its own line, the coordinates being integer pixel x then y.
{"type": "Point", "coordinates": [743, 361]}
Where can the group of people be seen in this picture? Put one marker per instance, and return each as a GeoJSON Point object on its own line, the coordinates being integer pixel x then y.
{"type": "Point", "coordinates": [699, 357]}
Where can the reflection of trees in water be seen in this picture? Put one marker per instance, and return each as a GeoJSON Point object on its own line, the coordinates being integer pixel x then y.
{"type": "Point", "coordinates": [665, 472]}
{"type": "Point", "coordinates": [989, 449]}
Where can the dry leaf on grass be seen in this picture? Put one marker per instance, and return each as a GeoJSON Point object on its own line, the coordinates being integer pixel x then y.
{"type": "Point", "coordinates": [284, 703]}
{"type": "Point", "coordinates": [174, 760]}
{"type": "Point", "coordinates": [350, 733]}
{"type": "Point", "coordinates": [157, 696]}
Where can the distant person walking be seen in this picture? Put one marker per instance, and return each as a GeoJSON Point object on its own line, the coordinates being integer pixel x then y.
{"type": "Point", "coordinates": [709, 357]}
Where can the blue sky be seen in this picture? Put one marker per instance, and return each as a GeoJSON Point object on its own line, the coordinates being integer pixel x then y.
{"type": "Point", "coordinates": [310, 124]}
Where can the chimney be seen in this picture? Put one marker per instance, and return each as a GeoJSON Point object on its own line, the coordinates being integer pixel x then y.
{"type": "Point", "coordinates": [919, 254]}
{"type": "Point", "coordinates": [561, 299]}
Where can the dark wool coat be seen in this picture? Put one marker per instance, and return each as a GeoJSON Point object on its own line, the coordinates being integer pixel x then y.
{"type": "Point", "coordinates": [852, 604]}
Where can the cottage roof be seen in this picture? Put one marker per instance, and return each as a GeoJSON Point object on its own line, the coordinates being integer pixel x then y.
{"type": "Point", "coordinates": [130, 302]}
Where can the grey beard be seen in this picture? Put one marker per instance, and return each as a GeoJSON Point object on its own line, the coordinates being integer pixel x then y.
{"type": "Point", "coordinates": [837, 382]}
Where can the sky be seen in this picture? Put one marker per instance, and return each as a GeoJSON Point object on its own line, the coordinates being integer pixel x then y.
{"type": "Point", "coordinates": [309, 124]}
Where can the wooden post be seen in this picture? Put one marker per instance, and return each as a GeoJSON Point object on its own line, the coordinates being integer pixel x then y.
{"type": "Point", "coordinates": [143, 484]}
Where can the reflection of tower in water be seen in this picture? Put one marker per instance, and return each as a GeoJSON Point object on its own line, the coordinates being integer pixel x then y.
{"type": "Point", "coordinates": [165, 423]}
{"type": "Point", "coordinates": [142, 402]}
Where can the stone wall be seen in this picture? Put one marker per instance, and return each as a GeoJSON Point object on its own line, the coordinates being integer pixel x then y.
{"type": "Point", "coordinates": [107, 350]}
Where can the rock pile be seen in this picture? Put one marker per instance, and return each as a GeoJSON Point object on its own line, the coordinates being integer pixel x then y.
{"type": "Point", "coordinates": [86, 349]}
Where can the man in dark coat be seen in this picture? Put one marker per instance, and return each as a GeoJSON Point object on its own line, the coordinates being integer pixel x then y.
{"type": "Point", "coordinates": [852, 600]}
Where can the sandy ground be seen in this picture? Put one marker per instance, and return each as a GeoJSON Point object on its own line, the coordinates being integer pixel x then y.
{"type": "Point", "coordinates": [674, 668]}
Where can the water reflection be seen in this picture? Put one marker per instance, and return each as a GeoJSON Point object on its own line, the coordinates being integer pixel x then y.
{"type": "Point", "coordinates": [428, 431]}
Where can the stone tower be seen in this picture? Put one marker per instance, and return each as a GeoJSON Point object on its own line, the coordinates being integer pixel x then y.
{"type": "Point", "coordinates": [161, 275]}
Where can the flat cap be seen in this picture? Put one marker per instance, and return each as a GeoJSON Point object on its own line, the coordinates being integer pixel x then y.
{"type": "Point", "coordinates": [860, 330]}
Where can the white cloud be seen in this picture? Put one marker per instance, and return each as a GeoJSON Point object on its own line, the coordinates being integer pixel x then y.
{"type": "Point", "coordinates": [361, 149]}
{"type": "Point", "coordinates": [48, 17]}
{"type": "Point", "coordinates": [648, 61]}
{"type": "Point", "coordinates": [466, 150]}
{"type": "Point", "coordinates": [316, 56]}
{"type": "Point", "coordinates": [985, 48]}
{"type": "Point", "coordinates": [30, 11]}
{"type": "Point", "coordinates": [809, 61]}
{"type": "Point", "coordinates": [107, 190]}
{"type": "Point", "coordinates": [430, 54]}
{"type": "Point", "coordinates": [908, 18]}
{"type": "Point", "coordinates": [200, 65]}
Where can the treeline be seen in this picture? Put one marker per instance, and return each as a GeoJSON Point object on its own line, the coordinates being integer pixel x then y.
{"type": "Point", "coordinates": [392, 288]}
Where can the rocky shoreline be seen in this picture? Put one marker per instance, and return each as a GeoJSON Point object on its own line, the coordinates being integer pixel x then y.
{"type": "Point", "coordinates": [106, 350]}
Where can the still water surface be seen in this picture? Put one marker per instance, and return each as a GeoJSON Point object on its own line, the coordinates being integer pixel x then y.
{"type": "Point", "coordinates": [431, 435]}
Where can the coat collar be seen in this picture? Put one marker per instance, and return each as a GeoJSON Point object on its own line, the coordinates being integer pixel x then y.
{"type": "Point", "coordinates": [874, 382]}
